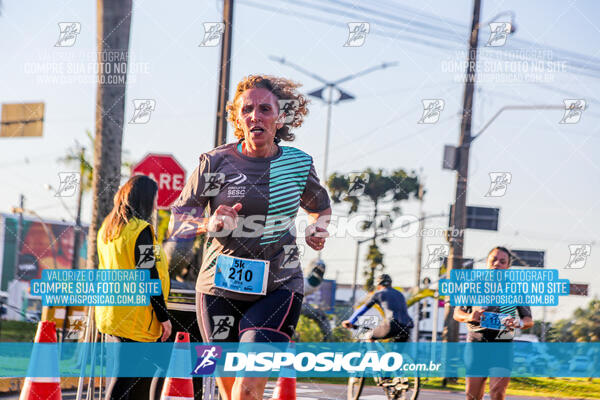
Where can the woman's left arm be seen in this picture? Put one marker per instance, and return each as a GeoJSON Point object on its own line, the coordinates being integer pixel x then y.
{"type": "Point", "coordinates": [527, 322]}
{"type": "Point", "coordinates": [315, 201]}
{"type": "Point", "coordinates": [316, 232]}
{"type": "Point", "coordinates": [525, 314]}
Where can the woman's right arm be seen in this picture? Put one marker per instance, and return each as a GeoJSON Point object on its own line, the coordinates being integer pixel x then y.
{"type": "Point", "coordinates": [187, 212]}
{"type": "Point", "coordinates": [185, 226]}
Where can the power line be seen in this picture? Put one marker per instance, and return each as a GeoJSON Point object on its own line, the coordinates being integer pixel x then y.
{"type": "Point", "coordinates": [410, 40]}
{"type": "Point", "coordinates": [446, 34]}
{"type": "Point", "coordinates": [447, 21]}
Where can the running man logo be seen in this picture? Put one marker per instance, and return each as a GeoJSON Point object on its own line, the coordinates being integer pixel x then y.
{"type": "Point", "coordinates": [499, 184]}
{"type": "Point", "coordinates": [437, 253]}
{"type": "Point", "coordinates": [432, 109]}
{"type": "Point", "coordinates": [148, 254]}
{"type": "Point", "coordinates": [207, 359]}
{"type": "Point", "coordinates": [142, 110]}
{"type": "Point", "coordinates": [579, 255]}
{"type": "Point", "coordinates": [357, 33]}
{"type": "Point", "coordinates": [213, 181]}
{"type": "Point", "coordinates": [366, 325]}
{"type": "Point", "coordinates": [358, 183]}
{"type": "Point", "coordinates": [213, 32]}
{"type": "Point", "coordinates": [222, 325]}
{"type": "Point", "coordinates": [69, 182]}
{"type": "Point", "coordinates": [499, 32]}
{"type": "Point", "coordinates": [76, 327]}
{"type": "Point", "coordinates": [68, 34]}
{"type": "Point", "coordinates": [291, 255]}
{"type": "Point", "coordinates": [287, 110]}
{"type": "Point", "coordinates": [573, 110]}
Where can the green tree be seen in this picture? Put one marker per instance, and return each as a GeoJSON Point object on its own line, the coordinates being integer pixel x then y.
{"type": "Point", "coordinates": [537, 328]}
{"type": "Point", "coordinates": [586, 326]}
{"type": "Point", "coordinates": [308, 330]}
{"type": "Point", "coordinates": [583, 326]}
{"type": "Point", "coordinates": [560, 331]}
{"type": "Point", "coordinates": [382, 192]}
{"type": "Point", "coordinates": [80, 157]}
{"type": "Point", "coordinates": [341, 334]}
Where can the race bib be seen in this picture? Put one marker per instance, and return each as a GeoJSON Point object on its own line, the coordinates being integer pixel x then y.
{"type": "Point", "coordinates": [492, 320]}
{"type": "Point", "coordinates": [242, 275]}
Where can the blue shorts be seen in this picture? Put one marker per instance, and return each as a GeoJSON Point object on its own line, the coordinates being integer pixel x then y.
{"type": "Point", "coordinates": [273, 318]}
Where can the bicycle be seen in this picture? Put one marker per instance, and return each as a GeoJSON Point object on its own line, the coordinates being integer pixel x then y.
{"type": "Point", "coordinates": [406, 388]}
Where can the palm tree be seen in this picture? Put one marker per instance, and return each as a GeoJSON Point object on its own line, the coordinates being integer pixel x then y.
{"type": "Point", "coordinates": [383, 192]}
{"type": "Point", "coordinates": [586, 327]}
{"type": "Point", "coordinates": [114, 22]}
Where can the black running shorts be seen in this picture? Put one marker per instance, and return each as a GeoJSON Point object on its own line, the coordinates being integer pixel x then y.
{"type": "Point", "coordinates": [272, 318]}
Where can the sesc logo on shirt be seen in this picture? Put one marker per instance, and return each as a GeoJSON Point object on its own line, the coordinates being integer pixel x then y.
{"type": "Point", "coordinates": [235, 190]}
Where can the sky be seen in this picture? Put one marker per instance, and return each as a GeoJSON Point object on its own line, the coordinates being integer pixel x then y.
{"type": "Point", "coordinates": [551, 202]}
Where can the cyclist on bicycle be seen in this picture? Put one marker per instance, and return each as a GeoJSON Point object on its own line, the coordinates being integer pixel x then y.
{"type": "Point", "coordinates": [397, 323]}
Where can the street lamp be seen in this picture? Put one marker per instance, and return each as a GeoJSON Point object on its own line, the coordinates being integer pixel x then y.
{"type": "Point", "coordinates": [516, 107]}
{"type": "Point", "coordinates": [330, 100]}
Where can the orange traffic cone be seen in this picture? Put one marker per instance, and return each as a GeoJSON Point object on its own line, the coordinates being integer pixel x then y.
{"type": "Point", "coordinates": [46, 354]}
{"type": "Point", "coordinates": [285, 389]}
{"type": "Point", "coordinates": [286, 384]}
{"type": "Point", "coordinates": [179, 388]}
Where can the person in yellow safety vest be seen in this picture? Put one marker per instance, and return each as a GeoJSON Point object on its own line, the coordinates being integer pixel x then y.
{"type": "Point", "coordinates": [126, 240]}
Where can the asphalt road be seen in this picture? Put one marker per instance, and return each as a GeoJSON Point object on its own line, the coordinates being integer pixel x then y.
{"type": "Point", "coordinates": [322, 391]}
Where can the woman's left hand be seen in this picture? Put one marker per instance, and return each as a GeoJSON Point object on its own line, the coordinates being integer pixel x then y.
{"type": "Point", "coordinates": [315, 236]}
{"type": "Point", "coordinates": [167, 328]}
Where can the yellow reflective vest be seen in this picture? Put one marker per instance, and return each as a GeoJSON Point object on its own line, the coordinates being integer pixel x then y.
{"type": "Point", "coordinates": [137, 323]}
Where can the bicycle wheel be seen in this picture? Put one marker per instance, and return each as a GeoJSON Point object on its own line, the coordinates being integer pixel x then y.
{"type": "Point", "coordinates": [355, 387]}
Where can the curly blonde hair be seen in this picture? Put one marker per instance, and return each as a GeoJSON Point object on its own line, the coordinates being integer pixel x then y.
{"type": "Point", "coordinates": [283, 89]}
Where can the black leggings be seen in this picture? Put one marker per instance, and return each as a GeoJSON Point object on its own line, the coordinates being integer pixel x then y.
{"type": "Point", "coordinates": [125, 388]}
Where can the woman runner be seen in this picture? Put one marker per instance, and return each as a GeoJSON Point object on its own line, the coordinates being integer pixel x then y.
{"type": "Point", "coordinates": [250, 285]}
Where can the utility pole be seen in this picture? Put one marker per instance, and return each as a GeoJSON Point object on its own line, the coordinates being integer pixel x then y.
{"type": "Point", "coordinates": [355, 278]}
{"type": "Point", "coordinates": [224, 73]}
{"type": "Point", "coordinates": [419, 257]}
{"type": "Point", "coordinates": [18, 239]}
{"type": "Point", "coordinates": [458, 218]}
{"type": "Point", "coordinates": [327, 134]}
{"type": "Point", "coordinates": [77, 232]}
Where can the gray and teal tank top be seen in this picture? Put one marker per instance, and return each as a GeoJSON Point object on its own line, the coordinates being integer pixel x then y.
{"type": "Point", "coordinates": [271, 190]}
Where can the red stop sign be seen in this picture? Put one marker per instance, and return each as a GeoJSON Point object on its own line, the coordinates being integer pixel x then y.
{"type": "Point", "coordinates": [167, 172]}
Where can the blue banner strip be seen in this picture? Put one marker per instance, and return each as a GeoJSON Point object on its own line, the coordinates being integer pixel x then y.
{"type": "Point", "coordinates": [516, 359]}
